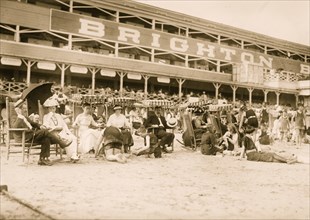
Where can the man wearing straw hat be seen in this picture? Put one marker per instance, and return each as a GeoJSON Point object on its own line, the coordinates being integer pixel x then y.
{"type": "Point", "coordinates": [159, 124]}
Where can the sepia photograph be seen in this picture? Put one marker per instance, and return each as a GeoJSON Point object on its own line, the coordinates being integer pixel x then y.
{"type": "Point", "coordinates": [154, 109]}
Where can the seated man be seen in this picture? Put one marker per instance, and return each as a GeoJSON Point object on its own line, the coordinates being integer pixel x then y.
{"type": "Point", "coordinates": [37, 134]}
{"type": "Point", "coordinates": [159, 124]}
{"type": "Point", "coordinates": [199, 125]}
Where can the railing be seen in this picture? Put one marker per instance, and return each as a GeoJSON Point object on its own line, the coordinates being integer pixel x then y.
{"type": "Point", "coordinates": [272, 76]}
{"type": "Point", "coordinates": [12, 87]}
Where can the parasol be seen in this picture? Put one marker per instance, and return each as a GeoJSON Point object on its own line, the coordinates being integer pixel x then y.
{"type": "Point", "coordinates": [33, 93]}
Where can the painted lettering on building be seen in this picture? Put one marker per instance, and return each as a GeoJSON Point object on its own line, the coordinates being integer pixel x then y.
{"type": "Point", "coordinates": [128, 34]}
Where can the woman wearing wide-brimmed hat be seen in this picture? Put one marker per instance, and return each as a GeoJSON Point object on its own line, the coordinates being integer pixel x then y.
{"type": "Point", "coordinates": [120, 121]}
{"type": "Point", "coordinates": [56, 124]}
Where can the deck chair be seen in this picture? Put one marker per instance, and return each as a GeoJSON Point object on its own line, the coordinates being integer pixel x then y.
{"type": "Point", "coordinates": [189, 138]}
{"type": "Point", "coordinates": [12, 145]}
{"type": "Point", "coordinates": [55, 147]}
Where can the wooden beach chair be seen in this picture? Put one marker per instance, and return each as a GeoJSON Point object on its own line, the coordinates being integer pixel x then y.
{"type": "Point", "coordinates": [189, 138]}
{"type": "Point", "coordinates": [12, 145]}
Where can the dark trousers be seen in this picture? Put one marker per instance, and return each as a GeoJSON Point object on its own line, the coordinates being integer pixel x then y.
{"type": "Point", "coordinates": [46, 138]}
{"type": "Point", "coordinates": [127, 138]}
{"type": "Point", "coordinates": [166, 137]}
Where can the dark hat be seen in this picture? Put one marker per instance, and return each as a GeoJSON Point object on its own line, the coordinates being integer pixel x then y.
{"type": "Point", "coordinates": [117, 107]}
{"type": "Point", "coordinates": [157, 107]}
{"type": "Point", "coordinates": [198, 111]}
{"type": "Point", "coordinates": [223, 114]}
{"type": "Point", "coordinates": [86, 104]}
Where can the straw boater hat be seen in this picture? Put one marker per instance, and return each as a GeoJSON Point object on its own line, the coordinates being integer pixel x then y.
{"type": "Point", "coordinates": [117, 107]}
{"type": "Point", "coordinates": [50, 102]}
{"type": "Point", "coordinates": [172, 122]}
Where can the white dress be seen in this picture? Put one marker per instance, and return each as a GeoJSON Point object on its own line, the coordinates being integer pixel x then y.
{"type": "Point", "coordinates": [52, 120]}
{"type": "Point", "coordinates": [88, 137]}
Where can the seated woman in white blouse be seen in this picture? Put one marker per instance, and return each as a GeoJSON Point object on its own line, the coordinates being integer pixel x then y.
{"type": "Point", "coordinates": [88, 136]}
{"type": "Point", "coordinates": [55, 123]}
{"type": "Point", "coordinates": [119, 121]}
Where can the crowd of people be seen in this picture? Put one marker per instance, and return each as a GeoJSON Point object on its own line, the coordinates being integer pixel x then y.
{"type": "Point", "coordinates": [236, 130]}
{"type": "Point", "coordinates": [243, 131]}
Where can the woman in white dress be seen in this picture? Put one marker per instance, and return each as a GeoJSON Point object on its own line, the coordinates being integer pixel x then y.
{"type": "Point", "coordinates": [55, 123]}
{"type": "Point", "coordinates": [88, 136]}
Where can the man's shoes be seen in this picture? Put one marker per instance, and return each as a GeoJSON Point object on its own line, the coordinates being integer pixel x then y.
{"type": "Point", "coordinates": [75, 158]}
{"type": "Point", "coordinates": [43, 162]}
{"type": "Point", "coordinates": [165, 150]}
{"type": "Point", "coordinates": [91, 151]}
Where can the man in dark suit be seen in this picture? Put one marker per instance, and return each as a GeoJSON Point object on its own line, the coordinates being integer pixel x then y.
{"type": "Point", "coordinates": [36, 134]}
{"type": "Point", "coordinates": [159, 124]}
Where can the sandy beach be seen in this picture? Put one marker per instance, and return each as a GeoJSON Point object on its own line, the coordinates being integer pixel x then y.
{"type": "Point", "coordinates": [181, 185]}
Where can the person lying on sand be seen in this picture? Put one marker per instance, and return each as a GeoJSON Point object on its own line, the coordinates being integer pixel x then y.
{"type": "Point", "coordinates": [254, 153]}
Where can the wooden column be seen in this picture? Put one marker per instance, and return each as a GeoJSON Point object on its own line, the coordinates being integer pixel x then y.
{"type": "Point", "coordinates": [180, 82]}
{"type": "Point", "coordinates": [146, 78]}
{"type": "Point", "coordinates": [278, 97]}
{"type": "Point", "coordinates": [121, 75]}
{"type": "Point", "coordinates": [250, 95]}
{"type": "Point", "coordinates": [265, 95]}
{"type": "Point", "coordinates": [297, 98]}
{"type": "Point", "coordinates": [63, 68]}
{"type": "Point", "coordinates": [29, 64]}
{"type": "Point", "coordinates": [93, 79]}
{"type": "Point", "coordinates": [234, 88]}
{"type": "Point", "coordinates": [217, 86]}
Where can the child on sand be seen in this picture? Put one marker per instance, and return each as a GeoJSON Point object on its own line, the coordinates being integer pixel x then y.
{"type": "Point", "coordinates": [284, 125]}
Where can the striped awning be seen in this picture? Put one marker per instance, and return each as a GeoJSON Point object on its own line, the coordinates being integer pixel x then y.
{"type": "Point", "coordinates": [162, 103]}
{"type": "Point", "coordinates": [123, 101]}
{"type": "Point", "coordinates": [222, 107]}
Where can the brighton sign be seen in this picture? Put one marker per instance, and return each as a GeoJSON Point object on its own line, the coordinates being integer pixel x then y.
{"type": "Point", "coordinates": [65, 22]}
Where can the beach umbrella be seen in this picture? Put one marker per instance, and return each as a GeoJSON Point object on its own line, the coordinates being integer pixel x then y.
{"type": "Point", "coordinates": [33, 93]}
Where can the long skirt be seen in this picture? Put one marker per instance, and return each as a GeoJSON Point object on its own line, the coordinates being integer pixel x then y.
{"type": "Point", "coordinates": [88, 140]}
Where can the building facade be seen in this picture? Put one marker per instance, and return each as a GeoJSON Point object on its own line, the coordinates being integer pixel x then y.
{"type": "Point", "coordinates": [97, 44]}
